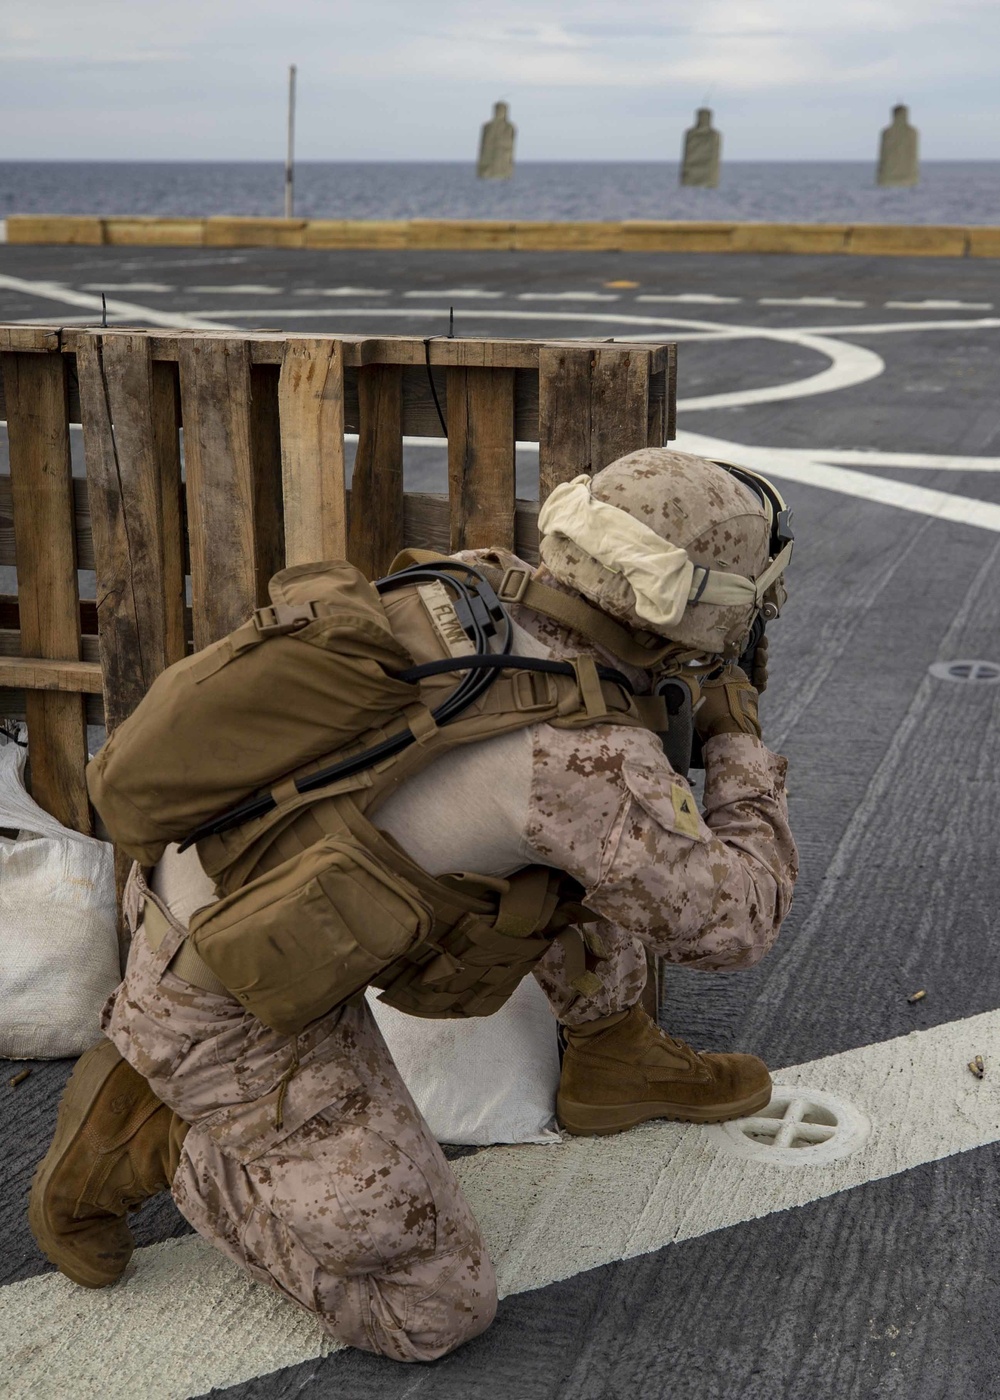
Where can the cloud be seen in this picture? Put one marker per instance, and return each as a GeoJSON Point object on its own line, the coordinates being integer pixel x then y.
{"type": "Point", "coordinates": [730, 44]}
{"type": "Point", "coordinates": [405, 77]}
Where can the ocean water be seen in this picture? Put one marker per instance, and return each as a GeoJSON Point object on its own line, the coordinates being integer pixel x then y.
{"type": "Point", "coordinates": [963, 192]}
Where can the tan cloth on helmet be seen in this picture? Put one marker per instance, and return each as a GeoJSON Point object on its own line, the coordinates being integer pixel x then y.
{"type": "Point", "coordinates": [659, 573]}
{"type": "Point", "coordinates": [662, 577]}
{"type": "Point", "coordinates": [691, 504]}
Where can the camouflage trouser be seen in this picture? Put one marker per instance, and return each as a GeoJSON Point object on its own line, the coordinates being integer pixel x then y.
{"type": "Point", "coordinates": [308, 1163]}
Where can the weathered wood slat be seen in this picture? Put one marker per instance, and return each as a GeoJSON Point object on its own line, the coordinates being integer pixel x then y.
{"type": "Point", "coordinates": [419, 413]}
{"type": "Point", "coordinates": [165, 409]}
{"type": "Point", "coordinates": [265, 451]}
{"type": "Point", "coordinates": [376, 529]}
{"type": "Point", "coordinates": [619, 409]}
{"type": "Point", "coordinates": [669, 410]}
{"type": "Point", "coordinates": [27, 340]}
{"type": "Point", "coordinates": [10, 643]}
{"type": "Point", "coordinates": [596, 405]}
{"type": "Point", "coordinates": [14, 704]}
{"type": "Point", "coordinates": [267, 347]}
{"type": "Point", "coordinates": [33, 673]}
{"type": "Point", "coordinates": [220, 487]}
{"type": "Point", "coordinates": [427, 525]}
{"type": "Point", "coordinates": [126, 516]}
{"type": "Point", "coordinates": [42, 499]}
{"type": "Point", "coordinates": [83, 536]}
{"type": "Point", "coordinates": [481, 457]}
{"type": "Point", "coordinates": [311, 408]}
{"type": "Point", "coordinates": [413, 511]}
{"type": "Point", "coordinates": [83, 539]}
{"type": "Point", "coordinates": [564, 408]}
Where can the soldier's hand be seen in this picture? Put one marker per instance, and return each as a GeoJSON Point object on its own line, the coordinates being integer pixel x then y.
{"type": "Point", "coordinates": [728, 705]}
{"type": "Point", "coordinates": [758, 671]}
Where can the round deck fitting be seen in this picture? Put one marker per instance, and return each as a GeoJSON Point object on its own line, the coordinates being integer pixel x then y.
{"type": "Point", "coordinates": [799, 1128]}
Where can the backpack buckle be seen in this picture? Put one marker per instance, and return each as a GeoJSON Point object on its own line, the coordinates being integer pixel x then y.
{"type": "Point", "coordinates": [514, 585]}
{"type": "Point", "coordinates": [278, 619]}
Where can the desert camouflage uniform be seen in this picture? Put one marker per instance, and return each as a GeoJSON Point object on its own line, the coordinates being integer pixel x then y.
{"type": "Point", "coordinates": [307, 1161]}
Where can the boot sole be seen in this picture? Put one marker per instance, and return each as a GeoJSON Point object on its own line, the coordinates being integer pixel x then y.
{"type": "Point", "coordinates": [86, 1081]}
{"type": "Point", "coordinates": [598, 1120]}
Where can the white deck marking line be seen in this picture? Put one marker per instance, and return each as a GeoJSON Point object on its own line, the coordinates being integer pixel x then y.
{"type": "Point", "coordinates": [568, 296]}
{"type": "Point", "coordinates": [68, 296]}
{"type": "Point", "coordinates": [810, 468]}
{"type": "Point", "coordinates": [92, 318]}
{"type": "Point", "coordinates": [186, 1319]}
{"type": "Point", "coordinates": [807, 301]}
{"type": "Point", "coordinates": [919, 460]}
{"type": "Point", "coordinates": [805, 458]}
{"type": "Point", "coordinates": [127, 287]}
{"type": "Point", "coordinates": [939, 305]}
{"type": "Point", "coordinates": [691, 298]}
{"type": "Point", "coordinates": [457, 293]}
{"type": "Point", "coordinates": [340, 291]}
{"type": "Point", "coordinates": [850, 364]}
{"type": "Point", "coordinates": [980, 323]}
{"type": "Point", "coordinates": [255, 289]}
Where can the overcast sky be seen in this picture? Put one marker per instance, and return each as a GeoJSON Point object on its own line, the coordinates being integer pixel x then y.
{"type": "Point", "coordinates": [413, 79]}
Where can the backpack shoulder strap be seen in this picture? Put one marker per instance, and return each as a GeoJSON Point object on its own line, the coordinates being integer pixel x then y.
{"type": "Point", "coordinates": [518, 586]}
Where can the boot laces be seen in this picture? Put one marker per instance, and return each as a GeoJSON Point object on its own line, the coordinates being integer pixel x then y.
{"type": "Point", "coordinates": [681, 1046]}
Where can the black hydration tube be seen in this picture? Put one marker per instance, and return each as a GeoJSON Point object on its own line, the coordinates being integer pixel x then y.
{"type": "Point", "coordinates": [482, 615]}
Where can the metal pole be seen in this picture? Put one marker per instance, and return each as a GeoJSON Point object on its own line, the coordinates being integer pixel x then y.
{"type": "Point", "coordinates": [290, 157]}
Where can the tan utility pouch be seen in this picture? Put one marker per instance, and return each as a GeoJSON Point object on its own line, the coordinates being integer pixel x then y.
{"type": "Point", "coordinates": [307, 935]}
{"type": "Point", "coordinates": [304, 677]}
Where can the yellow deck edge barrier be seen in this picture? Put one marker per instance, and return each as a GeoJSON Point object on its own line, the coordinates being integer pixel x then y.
{"type": "Point", "coordinates": [630, 235]}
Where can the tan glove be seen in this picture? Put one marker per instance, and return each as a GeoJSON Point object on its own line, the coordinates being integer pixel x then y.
{"type": "Point", "coordinates": [728, 705]}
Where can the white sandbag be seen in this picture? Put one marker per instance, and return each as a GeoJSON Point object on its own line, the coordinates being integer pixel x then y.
{"type": "Point", "coordinates": [484, 1080]}
{"type": "Point", "coordinates": [58, 927]}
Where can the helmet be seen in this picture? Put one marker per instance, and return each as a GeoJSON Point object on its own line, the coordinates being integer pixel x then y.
{"type": "Point", "coordinates": [672, 544]}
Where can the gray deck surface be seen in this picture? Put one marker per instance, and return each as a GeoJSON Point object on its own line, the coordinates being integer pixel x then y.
{"type": "Point", "coordinates": [888, 1290]}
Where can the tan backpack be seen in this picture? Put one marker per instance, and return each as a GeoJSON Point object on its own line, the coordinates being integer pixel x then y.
{"type": "Point", "coordinates": [301, 723]}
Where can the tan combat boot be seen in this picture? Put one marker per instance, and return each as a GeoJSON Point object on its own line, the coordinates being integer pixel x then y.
{"type": "Point", "coordinates": [115, 1145]}
{"type": "Point", "coordinates": [622, 1070]}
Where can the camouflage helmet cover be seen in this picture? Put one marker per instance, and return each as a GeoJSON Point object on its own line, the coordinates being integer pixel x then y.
{"type": "Point", "coordinates": [692, 503]}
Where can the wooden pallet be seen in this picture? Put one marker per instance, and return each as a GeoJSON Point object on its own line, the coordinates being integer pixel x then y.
{"type": "Point", "coordinates": [214, 459]}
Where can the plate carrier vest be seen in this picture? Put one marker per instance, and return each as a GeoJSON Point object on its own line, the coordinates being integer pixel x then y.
{"type": "Point", "coordinates": [300, 724]}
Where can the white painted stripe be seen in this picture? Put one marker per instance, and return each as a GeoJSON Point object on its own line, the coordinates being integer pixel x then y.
{"type": "Point", "coordinates": [939, 305]}
{"type": "Point", "coordinates": [988, 323]}
{"type": "Point", "coordinates": [693, 298]}
{"type": "Point", "coordinates": [850, 364]}
{"type": "Point", "coordinates": [734, 451]}
{"type": "Point", "coordinates": [807, 301]}
{"type": "Point", "coordinates": [68, 296]}
{"type": "Point", "coordinates": [457, 293]}
{"type": "Point", "coordinates": [256, 289]}
{"type": "Point", "coordinates": [559, 1211]}
{"type": "Point", "coordinates": [810, 469]}
{"type": "Point", "coordinates": [127, 287]}
{"type": "Point", "coordinates": [3, 230]}
{"type": "Point", "coordinates": [92, 318]}
{"type": "Point", "coordinates": [340, 291]}
{"type": "Point", "coordinates": [568, 296]}
{"type": "Point", "coordinates": [186, 1320]}
{"type": "Point", "coordinates": [860, 458]}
